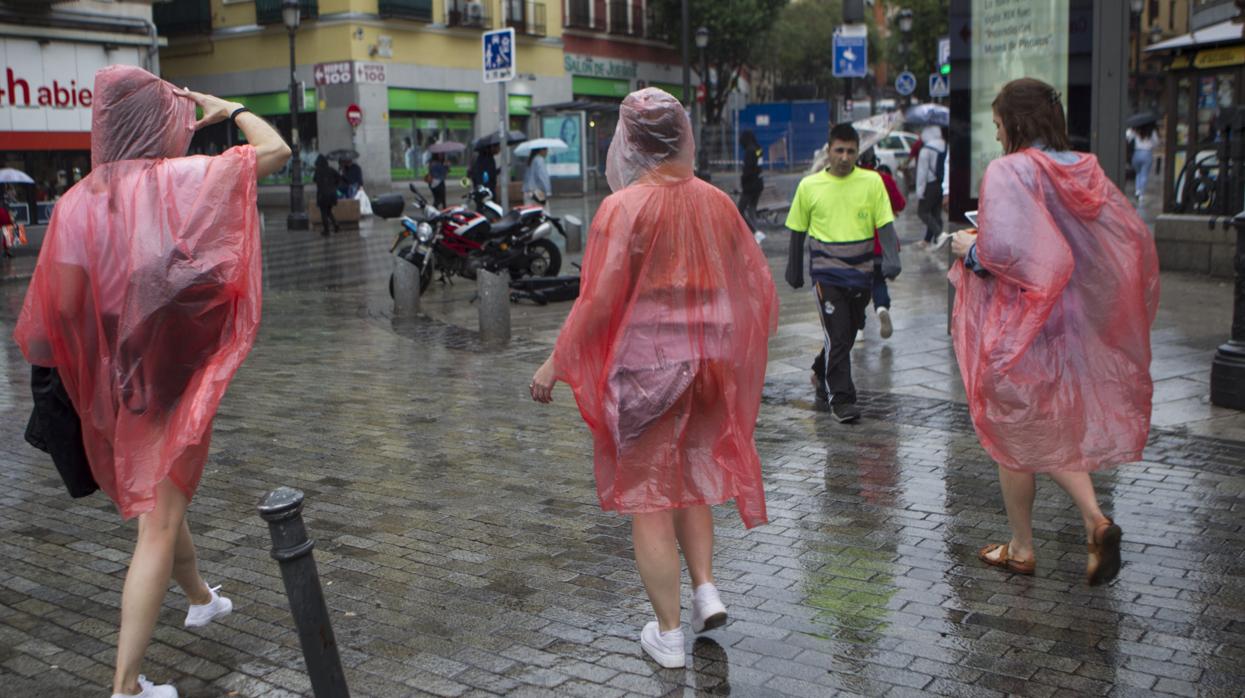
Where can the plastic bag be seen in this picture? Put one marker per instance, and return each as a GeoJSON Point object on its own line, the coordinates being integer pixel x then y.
{"type": "Point", "coordinates": [365, 204]}
{"type": "Point", "coordinates": [1054, 343]}
{"type": "Point", "coordinates": [665, 348]}
{"type": "Point", "coordinates": [146, 295]}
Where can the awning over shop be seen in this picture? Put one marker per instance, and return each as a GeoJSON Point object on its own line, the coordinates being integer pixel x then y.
{"type": "Point", "coordinates": [439, 101]}
{"type": "Point", "coordinates": [274, 103]}
{"type": "Point", "coordinates": [1222, 33]}
{"type": "Point", "coordinates": [577, 105]}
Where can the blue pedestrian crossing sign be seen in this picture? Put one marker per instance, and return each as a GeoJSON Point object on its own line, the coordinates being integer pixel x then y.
{"type": "Point", "coordinates": [905, 84]}
{"type": "Point", "coordinates": [850, 55]}
{"type": "Point", "coordinates": [499, 55]}
{"type": "Point", "coordinates": [939, 85]}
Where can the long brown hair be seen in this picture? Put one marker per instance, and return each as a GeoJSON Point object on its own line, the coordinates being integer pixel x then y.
{"type": "Point", "coordinates": [1031, 110]}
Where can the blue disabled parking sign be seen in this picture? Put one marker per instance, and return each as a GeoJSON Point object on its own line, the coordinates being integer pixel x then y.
{"type": "Point", "coordinates": [499, 55]}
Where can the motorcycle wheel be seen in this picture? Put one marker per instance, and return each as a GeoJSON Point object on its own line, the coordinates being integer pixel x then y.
{"type": "Point", "coordinates": [545, 259]}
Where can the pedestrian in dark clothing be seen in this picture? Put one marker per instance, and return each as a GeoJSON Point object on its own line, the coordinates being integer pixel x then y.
{"type": "Point", "coordinates": [353, 176]}
{"type": "Point", "coordinates": [881, 294]}
{"type": "Point", "coordinates": [484, 171]}
{"type": "Point", "coordinates": [751, 183]}
{"type": "Point", "coordinates": [930, 166]}
{"type": "Point", "coordinates": [327, 182]}
{"type": "Point", "coordinates": [437, 172]}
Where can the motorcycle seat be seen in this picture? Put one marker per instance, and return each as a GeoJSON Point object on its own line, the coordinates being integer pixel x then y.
{"type": "Point", "coordinates": [506, 225]}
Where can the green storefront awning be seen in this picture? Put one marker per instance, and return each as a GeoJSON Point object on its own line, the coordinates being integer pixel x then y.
{"type": "Point", "coordinates": [403, 99]}
{"type": "Point", "coordinates": [274, 103]}
{"type": "Point", "coordinates": [520, 105]}
{"type": "Point", "coordinates": [600, 87]}
{"type": "Point", "coordinates": [675, 90]}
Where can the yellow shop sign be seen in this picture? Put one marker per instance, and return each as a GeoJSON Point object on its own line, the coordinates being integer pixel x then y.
{"type": "Point", "coordinates": [1220, 57]}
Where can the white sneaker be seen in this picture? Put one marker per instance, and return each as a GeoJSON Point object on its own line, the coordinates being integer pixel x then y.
{"type": "Point", "coordinates": [665, 648]}
{"type": "Point", "coordinates": [943, 238]}
{"type": "Point", "coordinates": [707, 609]}
{"type": "Point", "coordinates": [200, 615]}
{"type": "Point", "coordinates": [150, 690]}
{"type": "Point", "coordinates": [886, 328]}
{"type": "Point", "coordinates": [758, 236]}
{"type": "Point", "coordinates": [860, 336]}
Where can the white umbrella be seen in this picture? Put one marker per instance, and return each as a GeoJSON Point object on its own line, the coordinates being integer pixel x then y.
{"type": "Point", "coordinates": [553, 145]}
{"type": "Point", "coordinates": [9, 175]}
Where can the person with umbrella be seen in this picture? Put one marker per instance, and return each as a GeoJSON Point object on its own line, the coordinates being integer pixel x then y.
{"type": "Point", "coordinates": [536, 185]}
{"type": "Point", "coordinates": [484, 171]}
{"type": "Point", "coordinates": [438, 170]}
{"type": "Point", "coordinates": [352, 174]}
{"type": "Point", "coordinates": [327, 182]}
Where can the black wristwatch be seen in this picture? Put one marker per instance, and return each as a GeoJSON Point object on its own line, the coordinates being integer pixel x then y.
{"type": "Point", "coordinates": [233, 118]}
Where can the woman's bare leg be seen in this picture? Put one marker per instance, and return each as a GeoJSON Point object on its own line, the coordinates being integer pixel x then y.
{"type": "Point", "coordinates": [146, 582]}
{"type": "Point", "coordinates": [186, 568]}
{"type": "Point", "coordinates": [1080, 487]}
{"type": "Point", "coordinates": [694, 528]}
{"type": "Point", "coordinates": [657, 558]}
{"type": "Point", "coordinates": [1018, 490]}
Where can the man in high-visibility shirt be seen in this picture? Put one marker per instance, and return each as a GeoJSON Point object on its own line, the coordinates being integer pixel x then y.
{"type": "Point", "coordinates": [837, 210]}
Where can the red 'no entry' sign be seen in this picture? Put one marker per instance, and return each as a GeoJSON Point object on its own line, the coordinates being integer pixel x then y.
{"type": "Point", "coordinates": [354, 115]}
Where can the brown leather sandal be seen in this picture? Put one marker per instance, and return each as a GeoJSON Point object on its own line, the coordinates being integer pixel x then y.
{"type": "Point", "coordinates": [1005, 560]}
{"type": "Point", "coordinates": [1106, 548]}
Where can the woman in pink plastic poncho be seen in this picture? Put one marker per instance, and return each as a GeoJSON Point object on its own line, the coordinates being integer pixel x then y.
{"type": "Point", "coordinates": [1054, 301]}
{"type": "Point", "coordinates": [145, 300]}
{"type": "Point", "coordinates": [665, 350]}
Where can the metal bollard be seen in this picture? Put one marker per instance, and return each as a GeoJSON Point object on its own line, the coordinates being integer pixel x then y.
{"type": "Point", "coordinates": [282, 508]}
{"type": "Point", "coordinates": [1227, 370]}
{"type": "Point", "coordinates": [574, 233]}
{"type": "Point", "coordinates": [405, 288]}
{"type": "Point", "coordinates": [494, 308]}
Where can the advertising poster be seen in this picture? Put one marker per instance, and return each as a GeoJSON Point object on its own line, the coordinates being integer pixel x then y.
{"type": "Point", "coordinates": [1012, 39]}
{"type": "Point", "coordinates": [570, 128]}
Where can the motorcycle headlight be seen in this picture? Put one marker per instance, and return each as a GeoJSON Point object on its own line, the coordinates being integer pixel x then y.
{"type": "Point", "coordinates": [424, 232]}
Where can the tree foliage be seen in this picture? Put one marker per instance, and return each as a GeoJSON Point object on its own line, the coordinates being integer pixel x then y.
{"type": "Point", "coordinates": [734, 26]}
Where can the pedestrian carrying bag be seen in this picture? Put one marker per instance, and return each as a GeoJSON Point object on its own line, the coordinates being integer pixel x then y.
{"type": "Point", "coordinates": [54, 427]}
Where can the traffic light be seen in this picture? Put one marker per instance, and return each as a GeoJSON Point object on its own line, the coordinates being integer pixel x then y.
{"type": "Point", "coordinates": [945, 69]}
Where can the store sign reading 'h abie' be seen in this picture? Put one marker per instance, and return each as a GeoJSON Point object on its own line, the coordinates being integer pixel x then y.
{"type": "Point", "coordinates": [18, 91]}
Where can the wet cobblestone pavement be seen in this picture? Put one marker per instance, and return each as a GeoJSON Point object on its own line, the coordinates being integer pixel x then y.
{"type": "Point", "coordinates": [463, 552]}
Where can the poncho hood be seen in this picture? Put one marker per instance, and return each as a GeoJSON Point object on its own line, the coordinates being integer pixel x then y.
{"type": "Point", "coordinates": [137, 115]}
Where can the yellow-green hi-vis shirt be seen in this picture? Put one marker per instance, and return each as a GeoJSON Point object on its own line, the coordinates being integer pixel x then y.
{"type": "Point", "coordinates": [840, 215]}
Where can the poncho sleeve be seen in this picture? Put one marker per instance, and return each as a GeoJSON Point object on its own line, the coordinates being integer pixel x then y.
{"type": "Point", "coordinates": [1021, 246]}
{"type": "Point", "coordinates": [583, 346]}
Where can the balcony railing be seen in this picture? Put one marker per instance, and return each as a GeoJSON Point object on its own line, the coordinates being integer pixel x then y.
{"type": "Point", "coordinates": [419, 10]}
{"type": "Point", "coordinates": [623, 19]}
{"type": "Point", "coordinates": [526, 17]}
{"type": "Point", "coordinates": [578, 15]}
{"type": "Point", "coordinates": [183, 18]}
{"type": "Point", "coordinates": [471, 14]}
{"type": "Point", "coordinates": [269, 11]}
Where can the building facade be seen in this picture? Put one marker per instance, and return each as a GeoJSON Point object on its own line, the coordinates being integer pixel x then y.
{"type": "Point", "coordinates": [50, 53]}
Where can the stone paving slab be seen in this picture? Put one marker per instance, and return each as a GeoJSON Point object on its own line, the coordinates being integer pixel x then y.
{"type": "Point", "coordinates": [463, 552]}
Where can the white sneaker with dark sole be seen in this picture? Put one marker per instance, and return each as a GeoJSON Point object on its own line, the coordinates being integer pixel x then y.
{"type": "Point", "coordinates": [200, 615]}
{"type": "Point", "coordinates": [150, 690]}
{"type": "Point", "coordinates": [665, 648]}
{"type": "Point", "coordinates": [708, 612]}
{"type": "Point", "coordinates": [886, 327]}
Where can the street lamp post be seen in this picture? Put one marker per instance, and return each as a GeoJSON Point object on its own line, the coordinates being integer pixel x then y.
{"type": "Point", "coordinates": [905, 31]}
{"type": "Point", "coordinates": [702, 41]}
{"type": "Point", "coordinates": [1136, 6]}
{"type": "Point", "coordinates": [297, 218]}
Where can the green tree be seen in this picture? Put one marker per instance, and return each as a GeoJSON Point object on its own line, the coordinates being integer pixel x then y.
{"type": "Point", "coordinates": [929, 24]}
{"type": "Point", "coordinates": [733, 25]}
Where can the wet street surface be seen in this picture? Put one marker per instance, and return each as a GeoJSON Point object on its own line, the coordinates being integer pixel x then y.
{"type": "Point", "coordinates": [462, 550]}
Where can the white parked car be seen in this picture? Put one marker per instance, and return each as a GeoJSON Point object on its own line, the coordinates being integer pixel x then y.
{"type": "Point", "coordinates": [893, 150]}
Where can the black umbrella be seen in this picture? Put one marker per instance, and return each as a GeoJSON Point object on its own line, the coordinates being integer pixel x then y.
{"type": "Point", "coordinates": [491, 139]}
{"type": "Point", "coordinates": [1141, 119]}
{"type": "Point", "coordinates": [343, 154]}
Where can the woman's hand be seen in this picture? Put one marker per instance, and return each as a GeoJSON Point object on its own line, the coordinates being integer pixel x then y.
{"type": "Point", "coordinates": [215, 109]}
{"type": "Point", "coordinates": [541, 386]}
{"type": "Point", "coordinates": [962, 241]}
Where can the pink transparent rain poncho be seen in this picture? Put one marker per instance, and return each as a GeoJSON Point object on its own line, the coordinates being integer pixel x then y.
{"type": "Point", "coordinates": [1054, 345]}
{"type": "Point", "coordinates": [665, 349]}
{"type": "Point", "coordinates": [146, 297]}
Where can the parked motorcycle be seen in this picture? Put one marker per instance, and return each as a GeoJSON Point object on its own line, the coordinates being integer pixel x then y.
{"type": "Point", "coordinates": [458, 241]}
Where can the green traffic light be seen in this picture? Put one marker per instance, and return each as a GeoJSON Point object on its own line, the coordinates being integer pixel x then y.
{"type": "Point", "coordinates": [945, 69]}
